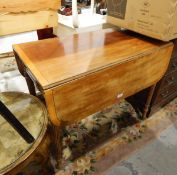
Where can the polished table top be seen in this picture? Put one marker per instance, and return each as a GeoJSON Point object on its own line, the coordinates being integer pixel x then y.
{"type": "Point", "coordinates": [53, 61]}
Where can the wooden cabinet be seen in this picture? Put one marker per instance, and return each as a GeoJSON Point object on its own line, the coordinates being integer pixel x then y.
{"type": "Point", "coordinates": [165, 91]}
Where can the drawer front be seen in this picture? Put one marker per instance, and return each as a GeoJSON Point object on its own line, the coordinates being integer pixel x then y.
{"type": "Point", "coordinates": [169, 80]}
{"type": "Point", "coordinates": [165, 93]}
{"type": "Point", "coordinates": [174, 53]}
{"type": "Point", "coordinates": [173, 65]}
{"type": "Point", "coordinates": [163, 102]}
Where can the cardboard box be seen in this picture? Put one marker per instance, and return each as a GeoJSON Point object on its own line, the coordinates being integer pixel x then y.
{"type": "Point", "coordinates": [154, 18]}
{"type": "Point", "coordinates": [27, 15]}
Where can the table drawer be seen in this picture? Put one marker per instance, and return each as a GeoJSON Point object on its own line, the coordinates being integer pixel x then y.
{"type": "Point", "coordinates": [173, 65]}
{"type": "Point", "coordinates": [174, 53]}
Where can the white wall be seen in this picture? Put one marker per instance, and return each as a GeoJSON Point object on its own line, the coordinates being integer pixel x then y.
{"type": "Point", "coordinates": [6, 42]}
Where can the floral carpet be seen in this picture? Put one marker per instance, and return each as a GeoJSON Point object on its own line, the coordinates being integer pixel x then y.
{"type": "Point", "coordinates": [94, 144]}
{"type": "Point", "coordinates": [86, 137]}
{"type": "Point", "coordinates": [133, 135]}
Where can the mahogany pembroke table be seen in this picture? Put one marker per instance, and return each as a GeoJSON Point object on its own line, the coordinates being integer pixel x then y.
{"type": "Point", "coordinates": [84, 73]}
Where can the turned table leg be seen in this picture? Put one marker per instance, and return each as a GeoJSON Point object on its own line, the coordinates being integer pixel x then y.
{"type": "Point", "coordinates": [148, 101]}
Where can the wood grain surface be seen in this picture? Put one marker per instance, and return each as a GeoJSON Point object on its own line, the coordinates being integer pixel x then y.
{"type": "Point", "coordinates": [85, 96]}
{"type": "Point", "coordinates": [85, 73]}
{"type": "Point", "coordinates": [21, 22]}
{"type": "Point", "coordinates": [60, 61]}
{"type": "Point", "coordinates": [28, 5]}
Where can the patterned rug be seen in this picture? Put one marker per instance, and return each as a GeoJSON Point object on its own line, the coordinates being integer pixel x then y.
{"type": "Point", "coordinates": [96, 143]}
{"type": "Point", "coordinates": [125, 142]}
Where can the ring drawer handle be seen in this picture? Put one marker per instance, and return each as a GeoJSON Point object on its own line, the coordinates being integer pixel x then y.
{"type": "Point", "coordinates": [170, 80]}
{"type": "Point", "coordinates": [165, 94]}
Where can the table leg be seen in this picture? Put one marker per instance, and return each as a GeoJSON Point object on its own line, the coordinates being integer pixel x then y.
{"type": "Point", "coordinates": [56, 146]}
{"type": "Point", "coordinates": [148, 101]}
